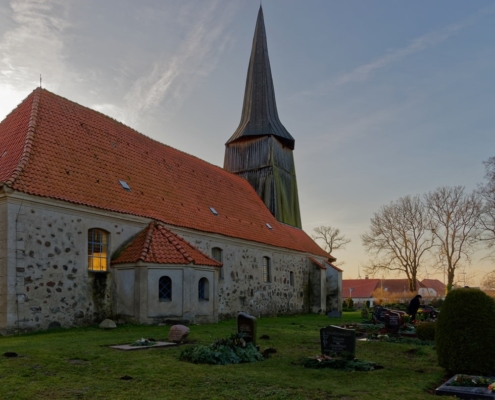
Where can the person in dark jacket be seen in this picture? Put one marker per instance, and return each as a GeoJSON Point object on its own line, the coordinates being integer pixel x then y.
{"type": "Point", "coordinates": [413, 307]}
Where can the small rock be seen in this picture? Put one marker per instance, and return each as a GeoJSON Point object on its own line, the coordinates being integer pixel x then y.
{"type": "Point", "coordinates": [108, 324]}
{"type": "Point", "coordinates": [178, 333]}
{"type": "Point", "coordinates": [266, 353]}
{"type": "Point", "coordinates": [54, 325]}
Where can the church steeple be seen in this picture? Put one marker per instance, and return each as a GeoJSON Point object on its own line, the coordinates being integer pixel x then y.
{"type": "Point", "coordinates": [259, 111]}
{"type": "Point", "coordinates": [260, 150]}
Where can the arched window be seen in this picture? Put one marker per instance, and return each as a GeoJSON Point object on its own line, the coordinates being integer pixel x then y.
{"type": "Point", "coordinates": [165, 289]}
{"type": "Point", "coordinates": [217, 254]}
{"type": "Point", "coordinates": [203, 289]}
{"type": "Point", "coordinates": [267, 275]}
{"type": "Point", "coordinates": [97, 250]}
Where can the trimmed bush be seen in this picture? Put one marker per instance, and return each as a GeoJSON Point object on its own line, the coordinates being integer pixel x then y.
{"type": "Point", "coordinates": [465, 333]}
{"type": "Point", "coordinates": [426, 330]}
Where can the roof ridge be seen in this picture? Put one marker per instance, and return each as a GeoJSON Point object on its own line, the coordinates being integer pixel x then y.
{"type": "Point", "coordinates": [172, 239]}
{"type": "Point", "coordinates": [28, 144]}
{"type": "Point", "coordinates": [147, 242]}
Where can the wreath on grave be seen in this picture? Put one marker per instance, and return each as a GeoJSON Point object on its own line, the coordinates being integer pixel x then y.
{"type": "Point", "coordinates": [231, 350]}
{"type": "Point", "coordinates": [344, 362]}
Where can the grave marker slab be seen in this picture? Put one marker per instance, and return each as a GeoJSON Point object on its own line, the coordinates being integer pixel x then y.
{"type": "Point", "coordinates": [337, 340]}
{"type": "Point", "coordinates": [463, 392]}
{"type": "Point", "coordinates": [393, 321]}
{"type": "Point", "coordinates": [247, 324]}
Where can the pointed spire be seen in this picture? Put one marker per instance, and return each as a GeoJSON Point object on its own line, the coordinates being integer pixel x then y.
{"type": "Point", "coordinates": [259, 112]}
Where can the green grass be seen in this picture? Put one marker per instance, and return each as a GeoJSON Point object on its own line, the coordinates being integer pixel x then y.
{"type": "Point", "coordinates": [78, 364]}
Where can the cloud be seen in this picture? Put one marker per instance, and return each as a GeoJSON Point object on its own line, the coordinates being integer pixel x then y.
{"type": "Point", "coordinates": [34, 46]}
{"type": "Point", "coordinates": [168, 83]}
{"type": "Point", "coordinates": [424, 42]}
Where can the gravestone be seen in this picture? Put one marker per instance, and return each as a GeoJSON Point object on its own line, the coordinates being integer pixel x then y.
{"type": "Point", "coordinates": [334, 314]}
{"type": "Point", "coordinates": [336, 340]}
{"type": "Point", "coordinates": [178, 333]}
{"type": "Point", "coordinates": [246, 324]}
{"type": "Point", "coordinates": [393, 321]}
{"type": "Point", "coordinates": [379, 314]}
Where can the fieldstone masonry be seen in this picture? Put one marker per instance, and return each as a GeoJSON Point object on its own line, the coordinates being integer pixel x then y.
{"type": "Point", "coordinates": [44, 276]}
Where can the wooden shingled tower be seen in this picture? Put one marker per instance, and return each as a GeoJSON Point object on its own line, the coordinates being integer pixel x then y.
{"type": "Point", "coordinates": [260, 150]}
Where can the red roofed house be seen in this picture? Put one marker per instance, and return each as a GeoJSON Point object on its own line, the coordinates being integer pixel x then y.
{"type": "Point", "coordinates": [361, 290]}
{"type": "Point", "coordinates": [98, 220]}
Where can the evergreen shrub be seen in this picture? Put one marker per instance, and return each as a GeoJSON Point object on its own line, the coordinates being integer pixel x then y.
{"type": "Point", "coordinates": [426, 330]}
{"type": "Point", "coordinates": [465, 333]}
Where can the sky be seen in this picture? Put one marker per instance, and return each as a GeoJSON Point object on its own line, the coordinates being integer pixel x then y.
{"type": "Point", "coordinates": [383, 98]}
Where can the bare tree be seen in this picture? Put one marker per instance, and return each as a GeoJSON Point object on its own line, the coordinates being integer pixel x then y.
{"type": "Point", "coordinates": [399, 238]}
{"type": "Point", "coordinates": [455, 224]}
{"type": "Point", "coordinates": [331, 237]}
{"type": "Point", "coordinates": [487, 193]}
{"type": "Point", "coordinates": [488, 281]}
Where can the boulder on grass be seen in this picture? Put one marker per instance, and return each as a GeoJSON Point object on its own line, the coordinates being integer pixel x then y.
{"type": "Point", "coordinates": [108, 324]}
{"type": "Point", "coordinates": [178, 333]}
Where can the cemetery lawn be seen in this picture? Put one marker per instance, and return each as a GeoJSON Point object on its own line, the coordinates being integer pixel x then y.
{"type": "Point", "coordinates": [78, 364]}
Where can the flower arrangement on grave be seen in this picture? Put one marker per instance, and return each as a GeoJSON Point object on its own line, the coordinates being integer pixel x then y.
{"type": "Point", "coordinates": [471, 381]}
{"type": "Point", "coordinates": [491, 387]}
{"type": "Point", "coordinates": [343, 362]}
{"type": "Point", "coordinates": [143, 342]}
{"type": "Point", "coordinates": [407, 328]}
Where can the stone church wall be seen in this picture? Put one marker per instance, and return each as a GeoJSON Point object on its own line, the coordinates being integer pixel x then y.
{"type": "Point", "coordinates": [45, 279]}
{"type": "Point", "coordinates": [243, 289]}
{"type": "Point", "coordinates": [49, 266]}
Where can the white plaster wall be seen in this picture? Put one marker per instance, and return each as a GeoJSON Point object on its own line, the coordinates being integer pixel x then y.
{"type": "Point", "coordinates": [125, 294]}
{"type": "Point", "coordinates": [204, 307]}
{"type": "Point", "coordinates": [3, 261]}
{"type": "Point", "coordinates": [157, 308]}
{"type": "Point", "coordinates": [333, 289]}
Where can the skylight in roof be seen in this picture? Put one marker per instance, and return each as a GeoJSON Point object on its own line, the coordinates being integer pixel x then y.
{"type": "Point", "coordinates": [213, 211]}
{"type": "Point", "coordinates": [125, 185]}
{"type": "Point", "coordinates": [269, 226]}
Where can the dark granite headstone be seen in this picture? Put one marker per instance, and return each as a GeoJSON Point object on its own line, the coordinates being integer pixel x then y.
{"type": "Point", "coordinates": [393, 321]}
{"type": "Point", "coordinates": [336, 340]}
{"type": "Point", "coordinates": [379, 314]}
{"type": "Point", "coordinates": [246, 324]}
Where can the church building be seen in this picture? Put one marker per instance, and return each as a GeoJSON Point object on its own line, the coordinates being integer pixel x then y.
{"type": "Point", "coordinates": [99, 221]}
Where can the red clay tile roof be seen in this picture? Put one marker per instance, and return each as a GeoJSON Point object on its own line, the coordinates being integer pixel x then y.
{"type": "Point", "coordinates": [156, 244]}
{"type": "Point", "coordinates": [436, 285]}
{"type": "Point", "coordinates": [62, 150]}
{"type": "Point", "coordinates": [317, 263]}
{"type": "Point", "coordinates": [361, 288]}
{"type": "Point", "coordinates": [398, 285]}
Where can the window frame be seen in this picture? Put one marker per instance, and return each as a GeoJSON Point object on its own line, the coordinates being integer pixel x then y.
{"type": "Point", "coordinates": [93, 244]}
{"type": "Point", "coordinates": [167, 280]}
{"type": "Point", "coordinates": [291, 278]}
{"type": "Point", "coordinates": [218, 257]}
{"type": "Point", "coordinates": [267, 273]}
{"type": "Point", "coordinates": [203, 289]}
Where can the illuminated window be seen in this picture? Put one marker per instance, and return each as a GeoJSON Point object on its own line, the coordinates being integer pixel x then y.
{"type": "Point", "coordinates": [217, 254]}
{"type": "Point", "coordinates": [203, 289]}
{"type": "Point", "coordinates": [97, 250]}
{"type": "Point", "coordinates": [266, 270]}
{"type": "Point", "coordinates": [165, 288]}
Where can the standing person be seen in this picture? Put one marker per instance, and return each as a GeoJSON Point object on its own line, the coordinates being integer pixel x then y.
{"type": "Point", "coordinates": [413, 306]}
